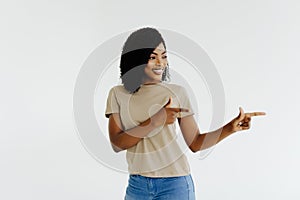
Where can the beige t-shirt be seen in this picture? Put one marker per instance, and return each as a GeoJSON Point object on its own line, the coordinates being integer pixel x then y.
{"type": "Point", "coordinates": [159, 154]}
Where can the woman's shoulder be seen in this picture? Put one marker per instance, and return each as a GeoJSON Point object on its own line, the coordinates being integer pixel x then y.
{"type": "Point", "coordinates": [118, 89]}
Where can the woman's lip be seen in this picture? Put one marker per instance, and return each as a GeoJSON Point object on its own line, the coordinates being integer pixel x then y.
{"type": "Point", "coordinates": [158, 72]}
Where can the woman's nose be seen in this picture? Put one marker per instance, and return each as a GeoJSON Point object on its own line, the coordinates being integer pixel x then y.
{"type": "Point", "coordinates": [158, 61]}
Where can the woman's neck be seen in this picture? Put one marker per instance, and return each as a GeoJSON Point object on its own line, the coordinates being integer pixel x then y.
{"type": "Point", "coordinates": [151, 83]}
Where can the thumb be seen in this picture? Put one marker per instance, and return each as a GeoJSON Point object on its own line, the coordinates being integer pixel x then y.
{"type": "Point", "coordinates": [241, 115]}
{"type": "Point", "coordinates": [169, 102]}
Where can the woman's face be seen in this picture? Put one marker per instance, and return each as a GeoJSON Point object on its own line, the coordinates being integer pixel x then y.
{"type": "Point", "coordinates": [156, 65]}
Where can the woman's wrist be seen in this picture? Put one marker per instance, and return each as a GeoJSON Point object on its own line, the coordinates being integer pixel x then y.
{"type": "Point", "coordinates": [228, 129]}
{"type": "Point", "coordinates": [157, 120]}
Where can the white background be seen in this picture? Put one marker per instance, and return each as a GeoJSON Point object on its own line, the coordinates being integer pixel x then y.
{"type": "Point", "coordinates": [254, 45]}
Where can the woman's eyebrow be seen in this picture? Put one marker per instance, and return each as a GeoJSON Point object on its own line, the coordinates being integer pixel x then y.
{"type": "Point", "coordinates": [161, 53]}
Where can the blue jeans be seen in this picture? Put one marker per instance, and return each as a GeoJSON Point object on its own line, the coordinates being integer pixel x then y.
{"type": "Point", "coordinates": [147, 188]}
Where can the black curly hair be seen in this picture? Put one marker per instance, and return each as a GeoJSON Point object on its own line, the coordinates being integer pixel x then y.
{"type": "Point", "coordinates": [135, 55]}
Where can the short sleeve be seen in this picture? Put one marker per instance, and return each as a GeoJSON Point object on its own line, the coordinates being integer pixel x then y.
{"type": "Point", "coordinates": [185, 103]}
{"type": "Point", "coordinates": [112, 105]}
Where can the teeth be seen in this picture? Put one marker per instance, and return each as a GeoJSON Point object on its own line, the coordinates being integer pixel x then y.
{"type": "Point", "coordinates": [158, 71]}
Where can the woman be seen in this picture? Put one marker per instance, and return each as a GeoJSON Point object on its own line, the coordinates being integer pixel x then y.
{"type": "Point", "coordinates": [142, 114]}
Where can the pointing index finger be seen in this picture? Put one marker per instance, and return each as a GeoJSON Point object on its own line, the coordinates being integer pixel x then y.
{"type": "Point", "coordinates": [180, 109]}
{"type": "Point", "coordinates": [257, 114]}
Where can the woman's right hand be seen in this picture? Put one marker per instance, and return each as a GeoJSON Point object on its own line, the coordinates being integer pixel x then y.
{"type": "Point", "coordinates": [166, 115]}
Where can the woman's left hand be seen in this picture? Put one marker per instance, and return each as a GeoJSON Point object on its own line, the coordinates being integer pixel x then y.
{"type": "Point", "coordinates": [242, 121]}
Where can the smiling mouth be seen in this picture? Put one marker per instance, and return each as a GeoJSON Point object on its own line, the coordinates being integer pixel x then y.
{"type": "Point", "coordinates": [158, 71]}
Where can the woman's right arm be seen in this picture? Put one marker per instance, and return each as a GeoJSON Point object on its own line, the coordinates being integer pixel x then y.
{"type": "Point", "coordinates": [121, 139]}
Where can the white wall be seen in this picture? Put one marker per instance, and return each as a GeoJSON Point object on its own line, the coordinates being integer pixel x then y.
{"type": "Point", "coordinates": [254, 45]}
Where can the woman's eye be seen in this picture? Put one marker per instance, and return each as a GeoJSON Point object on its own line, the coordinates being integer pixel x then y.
{"type": "Point", "coordinates": [164, 57]}
{"type": "Point", "coordinates": [152, 57]}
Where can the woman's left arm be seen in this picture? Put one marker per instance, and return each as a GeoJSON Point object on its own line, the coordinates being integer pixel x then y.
{"type": "Point", "coordinates": [198, 142]}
